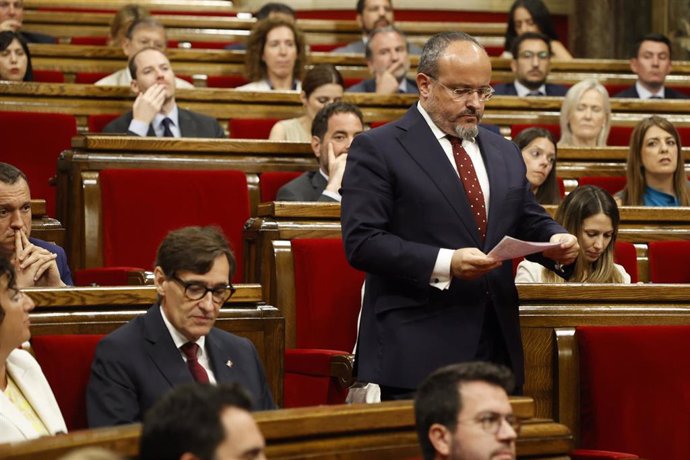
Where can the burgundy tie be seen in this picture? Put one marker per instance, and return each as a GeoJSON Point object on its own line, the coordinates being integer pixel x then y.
{"type": "Point", "coordinates": [468, 175]}
{"type": "Point", "coordinates": [190, 350]}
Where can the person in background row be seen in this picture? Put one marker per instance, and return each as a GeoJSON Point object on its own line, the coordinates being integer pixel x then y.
{"type": "Point", "coordinates": [388, 61]}
{"type": "Point", "coordinates": [122, 22]}
{"type": "Point", "coordinates": [539, 152]}
{"type": "Point", "coordinates": [322, 85]}
{"type": "Point", "coordinates": [146, 32]}
{"type": "Point", "coordinates": [655, 171]}
{"type": "Point", "coordinates": [585, 115]}
{"type": "Point", "coordinates": [275, 56]}
{"type": "Point", "coordinates": [12, 18]}
{"type": "Point", "coordinates": [273, 10]}
{"type": "Point", "coordinates": [28, 408]}
{"type": "Point", "coordinates": [532, 16]}
{"type": "Point", "coordinates": [591, 214]}
{"type": "Point", "coordinates": [15, 58]}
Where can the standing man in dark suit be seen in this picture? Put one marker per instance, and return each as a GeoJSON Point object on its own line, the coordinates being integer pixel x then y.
{"type": "Point", "coordinates": [650, 60]}
{"type": "Point", "coordinates": [332, 131]}
{"type": "Point", "coordinates": [388, 61]}
{"type": "Point", "coordinates": [421, 231]}
{"type": "Point", "coordinates": [155, 112]}
{"type": "Point", "coordinates": [530, 65]}
{"type": "Point", "coordinates": [175, 341]}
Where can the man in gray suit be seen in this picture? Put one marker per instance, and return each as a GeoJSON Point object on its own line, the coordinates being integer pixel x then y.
{"type": "Point", "coordinates": [332, 131]}
{"type": "Point", "coordinates": [372, 14]}
{"type": "Point", "coordinates": [155, 112]}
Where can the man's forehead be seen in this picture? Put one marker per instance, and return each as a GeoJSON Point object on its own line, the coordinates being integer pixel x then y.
{"type": "Point", "coordinates": [151, 57]}
{"type": "Point", "coordinates": [341, 121]}
{"type": "Point", "coordinates": [479, 396]}
{"type": "Point", "coordinates": [533, 43]}
{"type": "Point", "coordinates": [652, 45]}
{"type": "Point", "coordinates": [387, 39]}
{"type": "Point", "coordinates": [18, 189]}
{"type": "Point", "coordinates": [376, 3]}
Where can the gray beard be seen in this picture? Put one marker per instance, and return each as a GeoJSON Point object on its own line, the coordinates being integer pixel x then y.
{"type": "Point", "coordinates": [468, 133]}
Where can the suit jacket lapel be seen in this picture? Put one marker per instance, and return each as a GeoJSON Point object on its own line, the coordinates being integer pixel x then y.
{"type": "Point", "coordinates": [421, 144]}
{"type": "Point", "coordinates": [161, 347]}
{"type": "Point", "coordinates": [221, 361]}
{"type": "Point", "coordinates": [318, 181]}
{"type": "Point", "coordinates": [497, 172]}
{"type": "Point", "coordinates": [187, 124]}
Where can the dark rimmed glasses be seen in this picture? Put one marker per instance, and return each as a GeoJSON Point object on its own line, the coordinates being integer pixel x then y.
{"type": "Point", "coordinates": [194, 290]}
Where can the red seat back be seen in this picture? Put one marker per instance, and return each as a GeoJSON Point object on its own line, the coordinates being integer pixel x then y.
{"type": "Point", "coordinates": [48, 76]}
{"type": "Point", "coordinates": [98, 122]}
{"type": "Point", "coordinates": [668, 261]}
{"type": "Point", "coordinates": [271, 182]}
{"type": "Point", "coordinates": [91, 41]}
{"type": "Point", "coordinates": [32, 142]}
{"type": "Point", "coordinates": [140, 206]}
{"type": "Point", "coordinates": [625, 254]}
{"type": "Point", "coordinates": [634, 389]}
{"type": "Point", "coordinates": [555, 130]}
{"type": "Point", "coordinates": [89, 78]}
{"type": "Point", "coordinates": [251, 128]}
{"type": "Point", "coordinates": [327, 295]}
{"type": "Point", "coordinates": [619, 136]}
{"type": "Point", "coordinates": [66, 363]}
{"type": "Point", "coordinates": [226, 81]}
{"type": "Point", "coordinates": [611, 184]}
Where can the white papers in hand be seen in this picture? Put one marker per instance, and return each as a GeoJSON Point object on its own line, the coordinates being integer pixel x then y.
{"type": "Point", "coordinates": [510, 248]}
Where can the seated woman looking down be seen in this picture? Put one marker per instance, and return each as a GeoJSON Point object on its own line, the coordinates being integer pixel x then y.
{"type": "Point", "coordinates": [15, 59]}
{"type": "Point", "coordinates": [591, 214]}
{"type": "Point", "coordinates": [655, 171]}
{"type": "Point", "coordinates": [322, 85]}
{"type": "Point", "coordinates": [532, 16]}
{"type": "Point", "coordinates": [274, 57]}
{"type": "Point", "coordinates": [585, 115]}
{"type": "Point", "coordinates": [539, 152]}
{"type": "Point", "coordinates": [27, 405]}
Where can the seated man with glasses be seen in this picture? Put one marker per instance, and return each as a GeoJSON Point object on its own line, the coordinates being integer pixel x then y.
{"type": "Point", "coordinates": [530, 64]}
{"type": "Point", "coordinates": [175, 341]}
{"type": "Point", "coordinates": [463, 413]}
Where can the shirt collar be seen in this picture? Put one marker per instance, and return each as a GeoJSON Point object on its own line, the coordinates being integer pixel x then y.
{"type": "Point", "coordinates": [177, 336]}
{"type": "Point", "coordinates": [435, 129]}
{"type": "Point", "coordinates": [523, 91]}
{"type": "Point", "coordinates": [174, 116]}
{"type": "Point", "coordinates": [644, 93]}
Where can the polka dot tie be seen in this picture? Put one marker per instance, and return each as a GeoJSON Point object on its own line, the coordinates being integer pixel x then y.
{"type": "Point", "coordinates": [468, 175]}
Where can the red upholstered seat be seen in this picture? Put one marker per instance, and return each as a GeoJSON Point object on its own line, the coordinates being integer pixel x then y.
{"type": "Point", "coordinates": [48, 76]}
{"type": "Point", "coordinates": [668, 261]}
{"type": "Point", "coordinates": [89, 78]}
{"type": "Point", "coordinates": [140, 206]}
{"type": "Point", "coordinates": [251, 128]}
{"type": "Point", "coordinates": [32, 142]}
{"type": "Point", "coordinates": [226, 81]}
{"type": "Point", "coordinates": [518, 128]}
{"type": "Point", "coordinates": [270, 183]}
{"type": "Point", "coordinates": [634, 389]}
{"type": "Point", "coordinates": [104, 276]}
{"type": "Point", "coordinates": [66, 363]}
{"type": "Point", "coordinates": [96, 123]}
{"type": "Point", "coordinates": [328, 298]}
{"type": "Point", "coordinates": [589, 454]}
{"type": "Point", "coordinates": [611, 184]}
{"type": "Point", "coordinates": [619, 136]}
{"type": "Point", "coordinates": [91, 41]}
{"type": "Point", "coordinates": [626, 255]}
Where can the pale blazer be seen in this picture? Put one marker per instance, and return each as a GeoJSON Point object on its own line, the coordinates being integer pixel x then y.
{"type": "Point", "coordinates": [27, 375]}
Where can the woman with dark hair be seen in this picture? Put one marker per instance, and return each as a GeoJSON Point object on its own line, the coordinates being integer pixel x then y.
{"type": "Point", "coordinates": [322, 85]}
{"type": "Point", "coordinates": [15, 58]}
{"type": "Point", "coordinates": [539, 152]}
{"type": "Point", "coordinates": [591, 214]}
{"type": "Point", "coordinates": [27, 405]}
{"type": "Point", "coordinates": [275, 56]}
{"type": "Point", "coordinates": [655, 171]}
{"type": "Point", "coordinates": [532, 16]}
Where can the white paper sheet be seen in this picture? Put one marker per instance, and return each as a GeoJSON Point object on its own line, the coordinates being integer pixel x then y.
{"type": "Point", "coordinates": [510, 248]}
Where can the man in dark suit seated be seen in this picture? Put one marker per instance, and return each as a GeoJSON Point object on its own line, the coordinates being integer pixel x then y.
{"type": "Point", "coordinates": [36, 262]}
{"type": "Point", "coordinates": [650, 60]}
{"type": "Point", "coordinates": [530, 65]}
{"type": "Point", "coordinates": [155, 112]}
{"type": "Point", "coordinates": [332, 131]}
{"type": "Point", "coordinates": [12, 18]}
{"type": "Point", "coordinates": [202, 422]}
{"type": "Point", "coordinates": [388, 61]}
{"type": "Point", "coordinates": [175, 341]}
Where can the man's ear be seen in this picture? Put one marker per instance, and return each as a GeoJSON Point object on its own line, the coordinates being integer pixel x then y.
{"type": "Point", "coordinates": [360, 22]}
{"type": "Point", "coordinates": [134, 86]}
{"type": "Point", "coordinates": [513, 66]}
{"type": "Point", "coordinates": [316, 146]}
{"type": "Point", "coordinates": [634, 65]}
{"type": "Point", "coordinates": [441, 439]}
{"type": "Point", "coordinates": [423, 82]}
{"type": "Point", "coordinates": [158, 279]}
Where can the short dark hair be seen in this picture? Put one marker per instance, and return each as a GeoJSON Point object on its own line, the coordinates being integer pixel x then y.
{"type": "Point", "coordinates": [273, 7]}
{"type": "Point", "coordinates": [319, 126]}
{"type": "Point", "coordinates": [438, 397]}
{"type": "Point", "coordinates": [361, 4]}
{"type": "Point", "coordinates": [193, 249]}
{"type": "Point", "coordinates": [10, 174]}
{"type": "Point", "coordinates": [6, 269]}
{"type": "Point", "coordinates": [515, 48]}
{"type": "Point", "coordinates": [319, 75]}
{"type": "Point", "coordinates": [132, 65]}
{"type": "Point", "coordinates": [6, 39]}
{"type": "Point", "coordinates": [434, 48]}
{"type": "Point", "coordinates": [188, 419]}
{"type": "Point", "coordinates": [379, 30]}
{"type": "Point", "coordinates": [653, 37]}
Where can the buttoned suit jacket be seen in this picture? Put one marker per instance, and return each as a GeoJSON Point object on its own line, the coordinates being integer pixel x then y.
{"type": "Point", "coordinates": [192, 124]}
{"type": "Point", "coordinates": [28, 376]}
{"type": "Point", "coordinates": [508, 89]}
{"type": "Point", "coordinates": [401, 202]}
{"type": "Point", "coordinates": [309, 186]}
{"type": "Point", "coordinates": [669, 93]}
{"type": "Point", "coordinates": [139, 363]}
{"type": "Point", "coordinates": [369, 86]}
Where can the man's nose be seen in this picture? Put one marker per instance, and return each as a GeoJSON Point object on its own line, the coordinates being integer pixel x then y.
{"type": "Point", "coordinates": [16, 221]}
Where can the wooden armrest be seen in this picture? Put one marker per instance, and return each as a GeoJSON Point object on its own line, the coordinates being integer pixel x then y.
{"type": "Point", "coordinates": [342, 370]}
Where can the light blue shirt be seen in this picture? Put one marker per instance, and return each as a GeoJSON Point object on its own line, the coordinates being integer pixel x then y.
{"type": "Point", "coordinates": [653, 197]}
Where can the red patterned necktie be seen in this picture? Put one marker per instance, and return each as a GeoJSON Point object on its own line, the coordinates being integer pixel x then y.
{"type": "Point", "coordinates": [190, 350]}
{"type": "Point", "coordinates": [468, 175]}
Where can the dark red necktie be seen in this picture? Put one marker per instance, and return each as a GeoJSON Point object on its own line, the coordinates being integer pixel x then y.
{"type": "Point", "coordinates": [468, 175]}
{"type": "Point", "coordinates": [190, 350]}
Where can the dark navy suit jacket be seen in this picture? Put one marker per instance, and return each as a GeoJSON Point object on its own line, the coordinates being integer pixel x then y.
{"type": "Point", "coordinates": [369, 86]}
{"type": "Point", "coordinates": [307, 187]}
{"type": "Point", "coordinates": [138, 363]}
{"type": "Point", "coordinates": [63, 267]}
{"type": "Point", "coordinates": [508, 89]}
{"type": "Point", "coordinates": [669, 93]}
{"type": "Point", "coordinates": [401, 202]}
{"type": "Point", "coordinates": [192, 124]}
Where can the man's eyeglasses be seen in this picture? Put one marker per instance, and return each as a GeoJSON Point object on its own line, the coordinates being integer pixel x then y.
{"type": "Point", "coordinates": [197, 291]}
{"type": "Point", "coordinates": [458, 94]}
{"type": "Point", "coordinates": [491, 422]}
{"type": "Point", "coordinates": [541, 55]}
